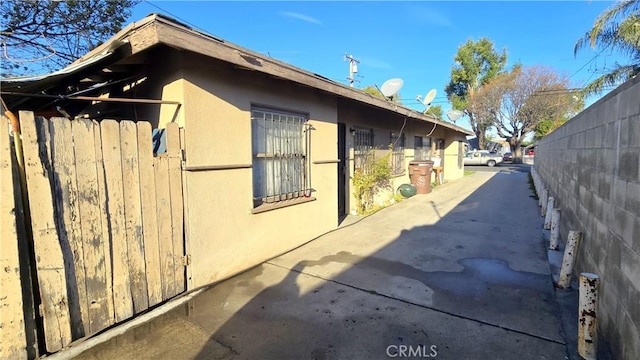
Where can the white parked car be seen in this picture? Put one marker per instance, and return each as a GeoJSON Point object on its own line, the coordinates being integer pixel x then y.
{"type": "Point", "coordinates": [482, 157]}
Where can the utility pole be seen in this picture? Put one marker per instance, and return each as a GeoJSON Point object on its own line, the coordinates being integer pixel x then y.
{"type": "Point", "coordinates": [353, 68]}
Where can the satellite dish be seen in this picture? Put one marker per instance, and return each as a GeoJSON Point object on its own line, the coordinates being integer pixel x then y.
{"type": "Point", "coordinates": [391, 87]}
{"type": "Point", "coordinates": [454, 115]}
{"type": "Point", "coordinates": [427, 99]}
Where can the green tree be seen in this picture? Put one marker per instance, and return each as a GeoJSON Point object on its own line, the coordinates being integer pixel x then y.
{"type": "Point", "coordinates": [518, 101]}
{"type": "Point", "coordinates": [435, 110]}
{"type": "Point", "coordinates": [574, 103]}
{"type": "Point", "coordinates": [545, 127]}
{"type": "Point", "coordinates": [476, 63]}
{"type": "Point", "coordinates": [42, 36]}
{"type": "Point", "coordinates": [617, 29]}
{"type": "Point", "coordinates": [373, 90]}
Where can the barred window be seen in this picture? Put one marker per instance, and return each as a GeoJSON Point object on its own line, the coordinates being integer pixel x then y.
{"type": "Point", "coordinates": [422, 147]}
{"type": "Point", "coordinates": [362, 148]}
{"type": "Point", "coordinates": [397, 153]}
{"type": "Point", "coordinates": [280, 142]}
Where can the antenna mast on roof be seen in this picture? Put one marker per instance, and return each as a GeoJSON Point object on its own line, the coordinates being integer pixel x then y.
{"type": "Point", "coordinates": [353, 68]}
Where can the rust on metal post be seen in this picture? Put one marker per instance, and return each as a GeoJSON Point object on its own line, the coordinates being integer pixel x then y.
{"type": "Point", "coordinates": [544, 199]}
{"type": "Point", "coordinates": [555, 229]}
{"type": "Point", "coordinates": [568, 259]}
{"type": "Point", "coordinates": [587, 316]}
{"type": "Point", "coordinates": [547, 216]}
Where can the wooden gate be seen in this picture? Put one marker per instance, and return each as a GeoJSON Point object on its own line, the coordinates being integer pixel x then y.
{"type": "Point", "coordinates": [107, 222]}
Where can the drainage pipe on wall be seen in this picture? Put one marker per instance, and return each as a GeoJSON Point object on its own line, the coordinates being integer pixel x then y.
{"type": "Point", "coordinates": [573, 241]}
{"type": "Point", "coordinates": [587, 316]}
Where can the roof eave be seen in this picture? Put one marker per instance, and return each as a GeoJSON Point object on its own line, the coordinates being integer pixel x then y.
{"type": "Point", "coordinates": [156, 29]}
{"type": "Point", "coordinates": [178, 36]}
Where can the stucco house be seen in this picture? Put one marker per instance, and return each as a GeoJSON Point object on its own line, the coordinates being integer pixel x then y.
{"type": "Point", "coordinates": [268, 148]}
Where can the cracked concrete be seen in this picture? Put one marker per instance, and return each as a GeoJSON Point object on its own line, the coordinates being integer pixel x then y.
{"type": "Point", "coordinates": [460, 273]}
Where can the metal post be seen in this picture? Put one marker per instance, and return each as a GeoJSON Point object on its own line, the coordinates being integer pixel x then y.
{"type": "Point", "coordinates": [539, 191]}
{"type": "Point", "coordinates": [543, 200]}
{"type": "Point", "coordinates": [587, 316]}
{"type": "Point", "coordinates": [568, 259]}
{"type": "Point", "coordinates": [536, 179]}
{"type": "Point", "coordinates": [547, 217]}
{"type": "Point", "coordinates": [555, 229]}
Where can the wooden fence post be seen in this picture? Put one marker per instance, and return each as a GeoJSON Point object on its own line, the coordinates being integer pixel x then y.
{"type": "Point", "coordinates": [12, 327]}
{"type": "Point", "coordinates": [49, 258]}
{"type": "Point", "coordinates": [133, 215]}
{"type": "Point", "coordinates": [177, 216]}
{"type": "Point", "coordinates": [149, 217]}
{"type": "Point", "coordinates": [95, 237]}
{"type": "Point", "coordinates": [123, 304]}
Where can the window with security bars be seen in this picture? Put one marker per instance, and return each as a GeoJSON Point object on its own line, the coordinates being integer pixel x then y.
{"type": "Point", "coordinates": [362, 148]}
{"type": "Point", "coordinates": [422, 148]}
{"type": "Point", "coordinates": [397, 153]}
{"type": "Point", "coordinates": [280, 142]}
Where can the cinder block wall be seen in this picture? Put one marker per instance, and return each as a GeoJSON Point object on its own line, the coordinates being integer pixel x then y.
{"type": "Point", "coordinates": [591, 165]}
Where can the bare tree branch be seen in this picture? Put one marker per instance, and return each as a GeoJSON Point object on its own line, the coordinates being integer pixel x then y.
{"type": "Point", "coordinates": [38, 35]}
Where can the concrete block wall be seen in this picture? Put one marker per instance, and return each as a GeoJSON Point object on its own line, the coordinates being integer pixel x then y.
{"type": "Point", "coordinates": [591, 165]}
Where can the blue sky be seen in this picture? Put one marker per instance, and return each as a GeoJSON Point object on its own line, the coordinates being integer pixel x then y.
{"type": "Point", "coordinates": [413, 40]}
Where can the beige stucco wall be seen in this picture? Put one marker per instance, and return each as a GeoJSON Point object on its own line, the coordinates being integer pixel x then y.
{"type": "Point", "coordinates": [383, 123]}
{"type": "Point", "coordinates": [453, 153]}
{"type": "Point", "coordinates": [166, 83]}
{"type": "Point", "coordinates": [223, 236]}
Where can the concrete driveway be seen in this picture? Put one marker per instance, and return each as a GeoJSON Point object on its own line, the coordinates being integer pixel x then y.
{"type": "Point", "coordinates": [460, 273]}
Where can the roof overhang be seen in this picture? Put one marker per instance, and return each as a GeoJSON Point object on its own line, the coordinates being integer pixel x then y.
{"type": "Point", "coordinates": [157, 29]}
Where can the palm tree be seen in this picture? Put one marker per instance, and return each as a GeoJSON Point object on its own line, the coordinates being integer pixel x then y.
{"type": "Point", "coordinates": [618, 29]}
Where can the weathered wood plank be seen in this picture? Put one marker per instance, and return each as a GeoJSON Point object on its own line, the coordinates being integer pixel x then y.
{"type": "Point", "coordinates": [133, 215]}
{"type": "Point", "coordinates": [27, 263]}
{"type": "Point", "coordinates": [49, 260]}
{"type": "Point", "coordinates": [123, 304]}
{"type": "Point", "coordinates": [66, 198]}
{"type": "Point", "coordinates": [177, 217]}
{"type": "Point", "coordinates": [93, 240]}
{"type": "Point", "coordinates": [161, 169]}
{"type": "Point", "coordinates": [104, 218]}
{"type": "Point", "coordinates": [13, 339]}
{"type": "Point", "coordinates": [149, 215]}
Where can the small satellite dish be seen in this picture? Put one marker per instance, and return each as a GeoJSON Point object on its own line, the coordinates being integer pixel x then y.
{"type": "Point", "coordinates": [427, 99]}
{"type": "Point", "coordinates": [391, 87]}
{"type": "Point", "coordinates": [454, 115]}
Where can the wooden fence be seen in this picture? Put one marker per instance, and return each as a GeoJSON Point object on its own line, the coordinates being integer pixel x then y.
{"type": "Point", "coordinates": [106, 217]}
{"type": "Point", "coordinates": [12, 324]}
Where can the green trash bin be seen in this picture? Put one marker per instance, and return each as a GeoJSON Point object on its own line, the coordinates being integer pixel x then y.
{"type": "Point", "coordinates": [407, 190]}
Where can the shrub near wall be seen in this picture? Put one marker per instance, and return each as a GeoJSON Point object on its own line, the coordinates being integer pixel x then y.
{"type": "Point", "coordinates": [591, 165]}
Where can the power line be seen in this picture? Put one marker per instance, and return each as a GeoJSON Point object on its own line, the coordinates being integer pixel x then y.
{"type": "Point", "coordinates": [587, 63]}
{"type": "Point", "coordinates": [173, 15]}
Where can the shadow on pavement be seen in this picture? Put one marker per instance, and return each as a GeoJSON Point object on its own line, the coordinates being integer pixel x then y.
{"type": "Point", "coordinates": [467, 280]}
